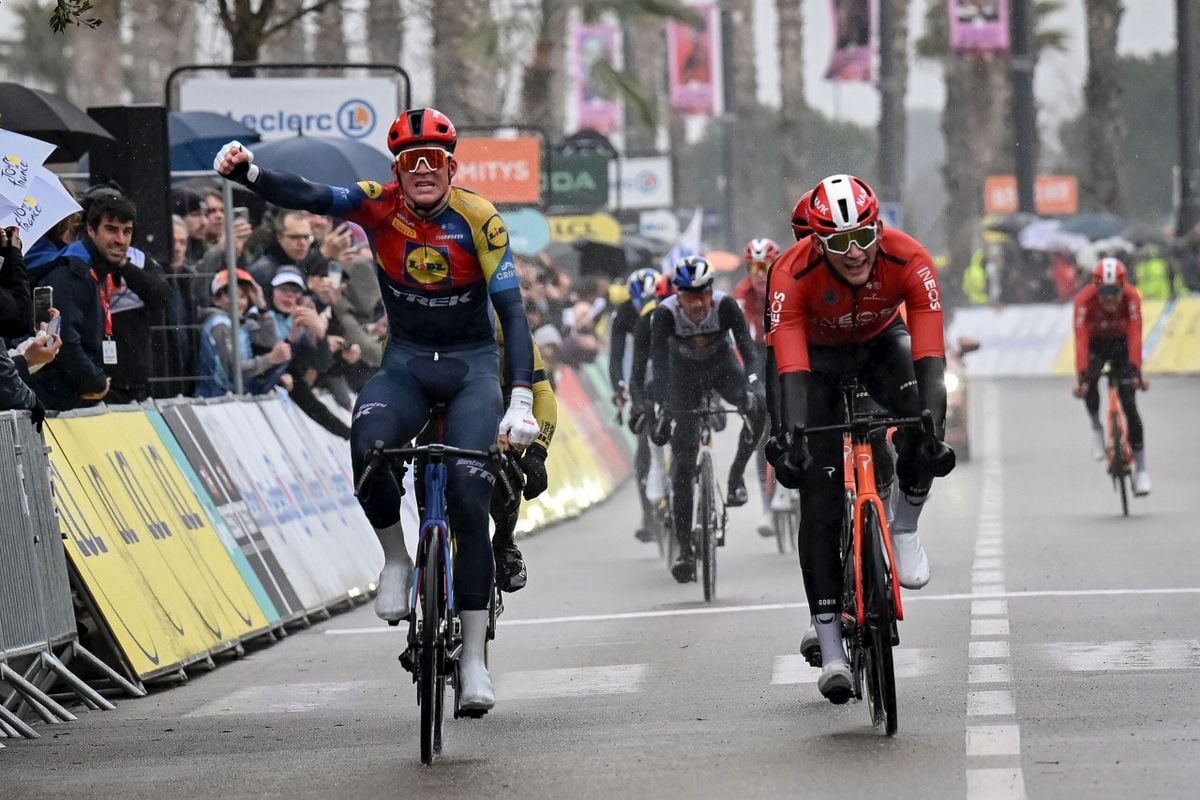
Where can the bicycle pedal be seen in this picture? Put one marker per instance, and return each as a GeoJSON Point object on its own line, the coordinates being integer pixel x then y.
{"type": "Point", "coordinates": [408, 661]}
{"type": "Point", "coordinates": [392, 623]}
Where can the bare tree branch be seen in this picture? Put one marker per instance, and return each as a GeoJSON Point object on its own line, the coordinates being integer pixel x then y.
{"type": "Point", "coordinates": [288, 20]}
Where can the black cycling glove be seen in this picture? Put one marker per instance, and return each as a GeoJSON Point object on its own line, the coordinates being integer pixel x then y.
{"type": "Point", "coordinates": [533, 464]}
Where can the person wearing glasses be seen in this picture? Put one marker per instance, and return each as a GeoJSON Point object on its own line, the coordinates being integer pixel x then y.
{"type": "Point", "coordinates": [834, 314]}
{"type": "Point", "coordinates": [444, 263]}
{"type": "Point", "coordinates": [751, 295]}
{"type": "Point", "coordinates": [292, 247]}
{"type": "Point", "coordinates": [692, 355]}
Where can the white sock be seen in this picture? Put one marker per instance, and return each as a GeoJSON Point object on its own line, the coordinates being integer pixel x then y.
{"type": "Point", "coordinates": [907, 512]}
{"type": "Point", "coordinates": [391, 539]}
{"type": "Point", "coordinates": [829, 634]}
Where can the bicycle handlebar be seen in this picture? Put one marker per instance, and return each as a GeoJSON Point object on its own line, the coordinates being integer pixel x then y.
{"type": "Point", "coordinates": [379, 453]}
{"type": "Point", "coordinates": [872, 424]}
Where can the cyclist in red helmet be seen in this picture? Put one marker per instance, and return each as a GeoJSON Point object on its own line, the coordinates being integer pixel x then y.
{"type": "Point", "coordinates": [834, 314]}
{"type": "Point", "coordinates": [443, 263]}
{"type": "Point", "coordinates": [751, 295]}
{"type": "Point", "coordinates": [1108, 330]}
{"type": "Point", "coordinates": [800, 227]}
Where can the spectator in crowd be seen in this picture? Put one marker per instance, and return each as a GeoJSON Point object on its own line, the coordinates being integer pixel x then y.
{"type": "Point", "coordinates": [84, 279]}
{"type": "Point", "coordinates": [292, 247]}
{"type": "Point", "coordinates": [214, 216]}
{"type": "Point", "coordinates": [1156, 277]}
{"type": "Point", "coordinates": [138, 299]}
{"type": "Point", "coordinates": [264, 357]}
{"type": "Point", "coordinates": [16, 320]}
{"type": "Point", "coordinates": [298, 323]}
{"type": "Point", "coordinates": [185, 300]}
{"type": "Point", "coordinates": [189, 206]}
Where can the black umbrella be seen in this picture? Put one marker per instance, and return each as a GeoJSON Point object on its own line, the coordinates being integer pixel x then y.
{"type": "Point", "coordinates": [50, 118]}
{"type": "Point", "coordinates": [196, 136]}
{"type": "Point", "coordinates": [337, 162]}
{"type": "Point", "coordinates": [1012, 224]}
{"type": "Point", "coordinates": [1095, 224]}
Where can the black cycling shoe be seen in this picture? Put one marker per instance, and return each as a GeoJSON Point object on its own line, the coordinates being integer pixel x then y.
{"type": "Point", "coordinates": [684, 568]}
{"type": "Point", "coordinates": [510, 569]}
{"type": "Point", "coordinates": [738, 496]}
{"type": "Point", "coordinates": [643, 535]}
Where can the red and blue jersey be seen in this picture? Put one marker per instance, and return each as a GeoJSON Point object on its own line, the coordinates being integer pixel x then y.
{"type": "Point", "coordinates": [438, 276]}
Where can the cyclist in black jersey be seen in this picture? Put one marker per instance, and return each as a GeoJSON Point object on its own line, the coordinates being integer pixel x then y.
{"type": "Point", "coordinates": [691, 351]}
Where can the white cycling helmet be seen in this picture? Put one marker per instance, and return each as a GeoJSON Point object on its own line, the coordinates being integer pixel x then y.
{"type": "Point", "coordinates": [692, 274]}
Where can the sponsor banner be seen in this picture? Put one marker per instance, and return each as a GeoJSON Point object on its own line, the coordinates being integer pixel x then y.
{"type": "Point", "coordinates": [851, 56]}
{"type": "Point", "coordinates": [219, 485]}
{"type": "Point", "coordinates": [528, 230]}
{"type": "Point", "coordinates": [504, 171]}
{"type": "Point", "coordinates": [595, 107]}
{"type": "Point", "coordinates": [643, 182]}
{"type": "Point", "coordinates": [201, 496]}
{"type": "Point", "coordinates": [596, 227]}
{"type": "Point", "coordinates": [282, 108]}
{"type": "Point", "coordinates": [577, 182]}
{"type": "Point", "coordinates": [126, 501]}
{"type": "Point", "coordinates": [1172, 341]}
{"type": "Point", "coordinates": [694, 64]}
{"type": "Point", "coordinates": [660, 223]}
{"type": "Point", "coordinates": [978, 25]}
{"type": "Point", "coordinates": [1052, 194]}
{"type": "Point", "coordinates": [246, 446]}
{"type": "Point", "coordinates": [606, 454]}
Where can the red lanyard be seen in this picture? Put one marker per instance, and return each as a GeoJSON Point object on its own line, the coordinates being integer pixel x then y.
{"type": "Point", "coordinates": [105, 288]}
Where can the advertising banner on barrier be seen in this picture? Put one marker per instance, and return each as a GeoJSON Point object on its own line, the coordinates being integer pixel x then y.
{"type": "Point", "coordinates": [201, 496]}
{"type": "Point", "coordinates": [144, 560]}
{"type": "Point", "coordinates": [246, 447]}
{"type": "Point", "coordinates": [607, 455]}
{"type": "Point", "coordinates": [217, 483]}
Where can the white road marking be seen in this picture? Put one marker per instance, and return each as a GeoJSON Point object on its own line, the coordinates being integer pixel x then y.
{"type": "Point", "coordinates": [987, 563]}
{"type": "Point", "coordinates": [910, 662]}
{"type": "Point", "coordinates": [909, 597]}
{"type": "Point", "coordinates": [990, 702]}
{"type": "Point", "coordinates": [570, 682]}
{"type": "Point", "coordinates": [989, 608]}
{"type": "Point", "coordinates": [1121, 656]}
{"type": "Point", "coordinates": [989, 627]}
{"type": "Point", "coordinates": [987, 649]}
{"type": "Point", "coordinates": [290, 698]}
{"type": "Point", "coordinates": [993, 740]}
{"type": "Point", "coordinates": [995, 784]}
{"type": "Point", "coordinates": [987, 576]}
{"type": "Point", "coordinates": [987, 589]}
{"type": "Point", "coordinates": [989, 551]}
{"type": "Point", "coordinates": [989, 673]}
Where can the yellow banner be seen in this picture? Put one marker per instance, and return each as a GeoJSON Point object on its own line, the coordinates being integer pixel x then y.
{"type": "Point", "coordinates": [163, 561]}
{"type": "Point", "coordinates": [576, 480]}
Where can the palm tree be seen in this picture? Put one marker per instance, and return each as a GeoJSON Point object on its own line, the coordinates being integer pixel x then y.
{"type": "Point", "coordinates": [329, 40]}
{"type": "Point", "coordinates": [385, 31]}
{"type": "Point", "coordinates": [97, 78]}
{"type": "Point", "coordinates": [1102, 185]}
{"type": "Point", "coordinates": [165, 38]}
{"type": "Point", "coordinates": [792, 106]}
{"type": "Point", "coordinates": [464, 81]}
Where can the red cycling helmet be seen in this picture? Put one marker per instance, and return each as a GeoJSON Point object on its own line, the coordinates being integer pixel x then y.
{"type": "Point", "coordinates": [419, 126]}
{"type": "Point", "coordinates": [760, 251]}
{"type": "Point", "coordinates": [800, 226]}
{"type": "Point", "coordinates": [663, 288]}
{"type": "Point", "coordinates": [841, 203]}
{"type": "Point", "coordinates": [1109, 272]}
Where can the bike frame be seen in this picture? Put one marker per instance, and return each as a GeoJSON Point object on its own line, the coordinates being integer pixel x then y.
{"type": "Point", "coordinates": [858, 470]}
{"type": "Point", "coordinates": [434, 529]}
{"type": "Point", "coordinates": [1117, 426]}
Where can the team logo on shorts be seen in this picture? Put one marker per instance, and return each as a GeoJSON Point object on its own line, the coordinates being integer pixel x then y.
{"type": "Point", "coordinates": [428, 265]}
{"type": "Point", "coordinates": [496, 233]}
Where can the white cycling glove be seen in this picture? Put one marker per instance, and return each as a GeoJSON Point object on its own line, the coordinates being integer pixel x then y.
{"type": "Point", "coordinates": [251, 170]}
{"type": "Point", "coordinates": [519, 424]}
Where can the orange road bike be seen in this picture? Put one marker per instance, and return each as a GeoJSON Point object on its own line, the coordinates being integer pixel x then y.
{"type": "Point", "coordinates": [1117, 447]}
{"type": "Point", "coordinates": [871, 606]}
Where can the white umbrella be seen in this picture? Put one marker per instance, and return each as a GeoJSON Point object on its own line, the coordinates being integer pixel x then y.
{"type": "Point", "coordinates": [1047, 235]}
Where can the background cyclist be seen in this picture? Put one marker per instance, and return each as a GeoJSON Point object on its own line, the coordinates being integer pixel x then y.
{"type": "Point", "coordinates": [691, 353]}
{"type": "Point", "coordinates": [443, 262]}
{"type": "Point", "coordinates": [835, 314]}
{"type": "Point", "coordinates": [1108, 330]}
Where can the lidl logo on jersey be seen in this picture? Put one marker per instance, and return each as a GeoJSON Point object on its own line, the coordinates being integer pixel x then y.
{"type": "Point", "coordinates": [356, 118]}
{"type": "Point", "coordinates": [427, 265]}
{"type": "Point", "coordinates": [496, 233]}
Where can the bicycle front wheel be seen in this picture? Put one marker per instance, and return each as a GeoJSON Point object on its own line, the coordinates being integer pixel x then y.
{"type": "Point", "coordinates": [877, 596]}
{"type": "Point", "coordinates": [1119, 467]}
{"type": "Point", "coordinates": [431, 684]}
{"type": "Point", "coordinates": [706, 512]}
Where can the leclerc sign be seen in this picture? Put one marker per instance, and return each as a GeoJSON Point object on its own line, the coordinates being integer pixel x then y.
{"type": "Point", "coordinates": [507, 171]}
{"type": "Point", "coordinates": [645, 183]}
{"type": "Point", "coordinates": [280, 108]}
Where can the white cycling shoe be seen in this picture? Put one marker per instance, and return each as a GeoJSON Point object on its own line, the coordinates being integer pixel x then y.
{"type": "Point", "coordinates": [1141, 482]}
{"type": "Point", "coordinates": [656, 476]}
{"type": "Point", "coordinates": [1098, 450]}
{"type": "Point", "coordinates": [912, 565]}
{"type": "Point", "coordinates": [810, 646]}
{"type": "Point", "coordinates": [766, 525]}
{"type": "Point", "coordinates": [783, 498]}
{"type": "Point", "coordinates": [476, 692]}
{"type": "Point", "coordinates": [835, 683]}
{"type": "Point", "coordinates": [393, 600]}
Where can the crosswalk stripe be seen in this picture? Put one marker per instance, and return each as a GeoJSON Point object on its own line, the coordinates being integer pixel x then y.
{"type": "Point", "coordinates": [989, 673]}
{"type": "Point", "coordinates": [570, 682]}
{"type": "Point", "coordinates": [911, 662]}
{"type": "Point", "coordinates": [290, 698]}
{"type": "Point", "coordinates": [1121, 656]}
{"type": "Point", "coordinates": [993, 740]}
{"type": "Point", "coordinates": [989, 702]}
{"type": "Point", "coordinates": [995, 784]}
{"type": "Point", "coordinates": [989, 627]}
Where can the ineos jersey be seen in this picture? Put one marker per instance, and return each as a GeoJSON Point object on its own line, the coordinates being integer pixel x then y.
{"type": "Point", "coordinates": [810, 304]}
{"type": "Point", "coordinates": [436, 275]}
{"type": "Point", "coordinates": [754, 306]}
{"type": "Point", "coordinates": [1092, 321]}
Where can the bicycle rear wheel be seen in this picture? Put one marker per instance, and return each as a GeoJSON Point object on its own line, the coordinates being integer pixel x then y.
{"type": "Point", "coordinates": [787, 528]}
{"type": "Point", "coordinates": [1119, 468]}
{"type": "Point", "coordinates": [431, 683]}
{"type": "Point", "coordinates": [706, 511]}
{"type": "Point", "coordinates": [877, 597]}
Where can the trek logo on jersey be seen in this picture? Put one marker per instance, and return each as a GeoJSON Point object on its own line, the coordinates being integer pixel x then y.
{"type": "Point", "coordinates": [371, 189]}
{"type": "Point", "coordinates": [402, 226]}
{"type": "Point", "coordinates": [931, 288]}
{"type": "Point", "coordinates": [427, 265]}
{"type": "Point", "coordinates": [446, 301]}
{"type": "Point", "coordinates": [15, 170]}
{"type": "Point", "coordinates": [496, 233]}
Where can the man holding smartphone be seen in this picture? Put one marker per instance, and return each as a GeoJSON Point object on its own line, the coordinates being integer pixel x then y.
{"type": "Point", "coordinates": [16, 320]}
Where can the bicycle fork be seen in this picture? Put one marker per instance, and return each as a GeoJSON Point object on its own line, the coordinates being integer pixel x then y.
{"type": "Point", "coordinates": [858, 470]}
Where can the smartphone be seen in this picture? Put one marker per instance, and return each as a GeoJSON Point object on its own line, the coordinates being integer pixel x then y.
{"type": "Point", "coordinates": [241, 212]}
{"type": "Point", "coordinates": [43, 301]}
{"type": "Point", "coordinates": [335, 274]}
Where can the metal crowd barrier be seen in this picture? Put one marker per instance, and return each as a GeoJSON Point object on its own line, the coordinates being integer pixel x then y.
{"type": "Point", "coordinates": [37, 616]}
